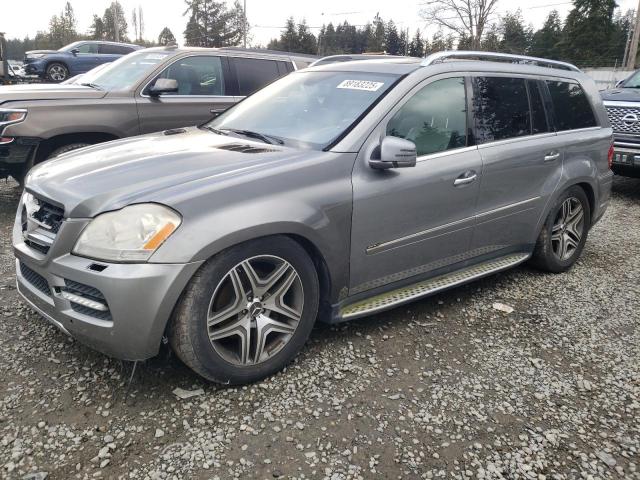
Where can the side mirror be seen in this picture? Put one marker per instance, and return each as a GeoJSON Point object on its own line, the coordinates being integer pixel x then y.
{"type": "Point", "coordinates": [619, 84]}
{"type": "Point", "coordinates": [163, 85]}
{"type": "Point", "coordinates": [395, 153]}
{"type": "Point", "coordinates": [75, 52]}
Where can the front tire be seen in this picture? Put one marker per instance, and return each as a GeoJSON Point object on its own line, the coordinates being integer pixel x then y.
{"type": "Point", "coordinates": [564, 232]}
{"type": "Point", "coordinates": [247, 312]}
{"type": "Point", "coordinates": [57, 72]}
{"type": "Point", "coordinates": [67, 148]}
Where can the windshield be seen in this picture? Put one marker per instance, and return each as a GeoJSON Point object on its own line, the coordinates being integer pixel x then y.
{"type": "Point", "coordinates": [307, 109]}
{"type": "Point", "coordinates": [633, 81]}
{"type": "Point", "coordinates": [125, 72]}
{"type": "Point", "coordinates": [68, 48]}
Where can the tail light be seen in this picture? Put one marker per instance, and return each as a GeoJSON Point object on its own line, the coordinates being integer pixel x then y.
{"type": "Point", "coordinates": [610, 155]}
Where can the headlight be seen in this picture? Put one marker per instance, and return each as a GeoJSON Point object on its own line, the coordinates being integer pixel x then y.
{"type": "Point", "coordinates": [36, 55]}
{"type": "Point", "coordinates": [128, 235]}
{"type": "Point", "coordinates": [8, 116]}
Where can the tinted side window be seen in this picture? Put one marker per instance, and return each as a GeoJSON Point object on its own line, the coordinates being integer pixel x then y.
{"type": "Point", "coordinates": [254, 73]}
{"type": "Point", "coordinates": [571, 106]}
{"type": "Point", "coordinates": [500, 108]}
{"type": "Point", "coordinates": [538, 115]}
{"type": "Point", "coordinates": [197, 75]}
{"type": "Point", "coordinates": [435, 118]}
{"type": "Point", "coordinates": [115, 49]}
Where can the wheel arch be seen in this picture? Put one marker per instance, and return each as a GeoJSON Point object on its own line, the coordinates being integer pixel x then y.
{"type": "Point", "coordinates": [47, 146]}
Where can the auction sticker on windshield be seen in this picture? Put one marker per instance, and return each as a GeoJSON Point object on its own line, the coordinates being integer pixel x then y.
{"type": "Point", "coordinates": [367, 85]}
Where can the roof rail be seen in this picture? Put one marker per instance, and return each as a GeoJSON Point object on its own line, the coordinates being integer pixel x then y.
{"type": "Point", "coordinates": [499, 57]}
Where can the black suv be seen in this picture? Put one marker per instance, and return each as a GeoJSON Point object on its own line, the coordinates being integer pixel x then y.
{"type": "Point", "coordinates": [623, 108]}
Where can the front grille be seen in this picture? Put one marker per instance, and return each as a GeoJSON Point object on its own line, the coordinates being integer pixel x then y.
{"type": "Point", "coordinates": [49, 215]}
{"type": "Point", "coordinates": [90, 294]}
{"type": "Point", "coordinates": [35, 279]}
{"type": "Point", "coordinates": [41, 222]}
{"type": "Point", "coordinates": [630, 126]}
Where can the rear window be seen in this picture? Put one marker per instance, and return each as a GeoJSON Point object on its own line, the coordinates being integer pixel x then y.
{"type": "Point", "coordinates": [500, 108]}
{"type": "Point", "coordinates": [115, 49]}
{"type": "Point", "coordinates": [571, 106]}
{"type": "Point", "coordinates": [254, 73]}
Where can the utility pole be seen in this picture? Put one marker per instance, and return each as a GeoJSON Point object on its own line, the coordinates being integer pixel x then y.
{"type": "Point", "coordinates": [633, 51]}
{"type": "Point", "coordinates": [244, 25]}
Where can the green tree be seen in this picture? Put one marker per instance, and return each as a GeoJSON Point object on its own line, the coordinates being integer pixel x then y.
{"type": "Point", "coordinates": [438, 42]}
{"type": "Point", "coordinates": [465, 43]}
{"type": "Point", "coordinates": [62, 28]}
{"type": "Point", "coordinates": [546, 40]}
{"type": "Point", "coordinates": [166, 37]}
{"type": "Point", "coordinates": [516, 37]}
{"type": "Point", "coordinates": [97, 30]}
{"type": "Point", "coordinates": [588, 32]}
{"type": "Point", "coordinates": [212, 24]}
{"type": "Point", "coordinates": [416, 46]}
{"type": "Point", "coordinates": [491, 41]}
{"type": "Point", "coordinates": [114, 16]}
{"type": "Point", "coordinates": [392, 39]}
{"type": "Point", "coordinates": [376, 43]}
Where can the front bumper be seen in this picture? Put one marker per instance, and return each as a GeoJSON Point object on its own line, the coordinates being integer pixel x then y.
{"type": "Point", "coordinates": [139, 297]}
{"type": "Point", "coordinates": [18, 152]}
{"type": "Point", "coordinates": [35, 67]}
{"type": "Point", "coordinates": [626, 159]}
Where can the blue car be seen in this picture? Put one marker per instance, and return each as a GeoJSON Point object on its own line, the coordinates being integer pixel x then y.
{"type": "Point", "coordinates": [73, 59]}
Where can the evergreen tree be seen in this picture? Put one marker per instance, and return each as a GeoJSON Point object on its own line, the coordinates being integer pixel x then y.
{"type": "Point", "coordinates": [376, 43]}
{"type": "Point", "coordinates": [114, 13]}
{"type": "Point", "coordinates": [491, 41]}
{"type": "Point", "coordinates": [416, 46]}
{"type": "Point", "coordinates": [166, 37]}
{"type": "Point", "coordinates": [438, 42]}
{"type": "Point", "coordinates": [62, 28]}
{"type": "Point", "coordinates": [392, 39]}
{"type": "Point", "coordinates": [588, 32]}
{"type": "Point", "coordinates": [546, 40]}
{"type": "Point", "coordinates": [212, 24]}
{"type": "Point", "coordinates": [97, 30]}
{"type": "Point", "coordinates": [516, 38]}
{"type": "Point", "coordinates": [465, 43]}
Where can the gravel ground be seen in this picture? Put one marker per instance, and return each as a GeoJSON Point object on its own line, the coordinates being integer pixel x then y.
{"type": "Point", "coordinates": [446, 387]}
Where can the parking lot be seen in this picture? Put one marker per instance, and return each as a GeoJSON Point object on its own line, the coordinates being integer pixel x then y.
{"type": "Point", "coordinates": [446, 387]}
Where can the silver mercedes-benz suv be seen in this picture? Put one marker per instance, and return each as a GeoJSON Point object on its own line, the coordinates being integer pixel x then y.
{"type": "Point", "coordinates": [335, 192]}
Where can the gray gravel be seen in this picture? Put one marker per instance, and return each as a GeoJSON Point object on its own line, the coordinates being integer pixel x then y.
{"type": "Point", "coordinates": [446, 387]}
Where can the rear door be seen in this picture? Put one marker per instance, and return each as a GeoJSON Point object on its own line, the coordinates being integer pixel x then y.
{"type": "Point", "coordinates": [108, 53]}
{"type": "Point", "coordinates": [522, 160]}
{"type": "Point", "coordinates": [205, 88]}
{"type": "Point", "coordinates": [254, 73]}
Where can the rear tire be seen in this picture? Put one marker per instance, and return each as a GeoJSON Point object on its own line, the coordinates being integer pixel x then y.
{"type": "Point", "coordinates": [231, 327]}
{"type": "Point", "coordinates": [564, 232]}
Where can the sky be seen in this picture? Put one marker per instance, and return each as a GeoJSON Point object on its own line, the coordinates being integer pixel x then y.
{"type": "Point", "coordinates": [267, 17]}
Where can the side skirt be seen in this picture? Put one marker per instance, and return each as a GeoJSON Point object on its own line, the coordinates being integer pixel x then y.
{"type": "Point", "coordinates": [409, 293]}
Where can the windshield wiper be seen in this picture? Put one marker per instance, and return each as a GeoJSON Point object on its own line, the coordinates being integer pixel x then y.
{"type": "Point", "coordinates": [215, 130]}
{"type": "Point", "coordinates": [260, 136]}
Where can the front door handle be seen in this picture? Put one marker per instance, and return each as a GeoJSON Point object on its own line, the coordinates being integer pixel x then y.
{"type": "Point", "coordinates": [217, 111]}
{"type": "Point", "coordinates": [551, 156]}
{"type": "Point", "coordinates": [465, 178]}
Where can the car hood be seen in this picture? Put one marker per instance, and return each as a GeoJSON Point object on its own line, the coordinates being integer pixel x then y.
{"type": "Point", "coordinates": [621, 95]}
{"type": "Point", "coordinates": [40, 51]}
{"type": "Point", "coordinates": [22, 93]}
{"type": "Point", "coordinates": [149, 168]}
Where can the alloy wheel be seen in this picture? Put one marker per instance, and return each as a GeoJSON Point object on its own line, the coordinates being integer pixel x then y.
{"type": "Point", "coordinates": [568, 229]}
{"type": "Point", "coordinates": [57, 73]}
{"type": "Point", "coordinates": [255, 310]}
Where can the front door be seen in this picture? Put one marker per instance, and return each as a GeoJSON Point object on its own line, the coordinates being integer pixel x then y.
{"type": "Point", "coordinates": [411, 222]}
{"type": "Point", "coordinates": [203, 87]}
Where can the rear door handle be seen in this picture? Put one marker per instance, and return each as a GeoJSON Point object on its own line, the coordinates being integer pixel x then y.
{"type": "Point", "coordinates": [551, 156]}
{"type": "Point", "coordinates": [465, 178]}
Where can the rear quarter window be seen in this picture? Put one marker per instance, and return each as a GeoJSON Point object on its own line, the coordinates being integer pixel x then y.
{"type": "Point", "coordinates": [571, 106]}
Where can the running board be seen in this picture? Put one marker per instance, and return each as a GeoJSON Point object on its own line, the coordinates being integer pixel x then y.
{"type": "Point", "coordinates": [410, 293]}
